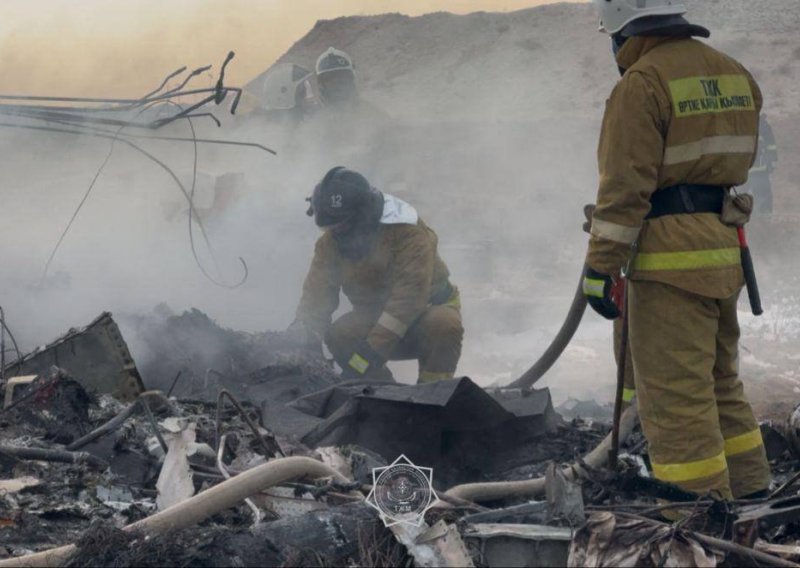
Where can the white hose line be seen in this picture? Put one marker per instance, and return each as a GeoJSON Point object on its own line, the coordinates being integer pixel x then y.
{"type": "Point", "coordinates": [201, 506]}
{"type": "Point", "coordinates": [492, 491]}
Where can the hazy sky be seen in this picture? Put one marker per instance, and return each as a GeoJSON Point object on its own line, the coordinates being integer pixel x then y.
{"type": "Point", "coordinates": [121, 47]}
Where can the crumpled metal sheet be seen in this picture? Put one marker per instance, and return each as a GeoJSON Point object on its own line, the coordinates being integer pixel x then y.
{"type": "Point", "coordinates": [459, 422]}
{"type": "Point", "coordinates": [504, 544]}
{"type": "Point", "coordinates": [175, 482]}
{"type": "Point", "coordinates": [564, 497]}
{"type": "Point", "coordinates": [439, 545]}
{"type": "Point", "coordinates": [609, 540]}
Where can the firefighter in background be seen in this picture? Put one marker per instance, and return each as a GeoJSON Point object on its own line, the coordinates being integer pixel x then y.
{"type": "Point", "coordinates": [339, 96]}
{"type": "Point", "coordinates": [680, 129]}
{"type": "Point", "coordinates": [377, 250]}
{"type": "Point", "coordinates": [349, 129]}
{"type": "Point", "coordinates": [759, 182]}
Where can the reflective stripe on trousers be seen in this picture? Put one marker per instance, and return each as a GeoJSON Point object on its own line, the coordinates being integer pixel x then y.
{"type": "Point", "coordinates": [700, 469]}
{"type": "Point", "coordinates": [676, 473]}
{"type": "Point", "coordinates": [744, 443]}
{"type": "Point", "coordinates": [628, 394]}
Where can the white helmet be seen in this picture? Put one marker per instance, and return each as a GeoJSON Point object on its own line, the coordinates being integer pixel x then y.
{"type": "Point", "coordinates": [616, 14]}
{"type": "Point", "coordinates": [334, 60]}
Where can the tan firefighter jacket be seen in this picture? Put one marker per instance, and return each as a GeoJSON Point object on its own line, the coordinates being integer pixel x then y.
{"type": "Point", "coordinates": [395, 283]}
{"type": "Point", "coordinates": [683, 113]}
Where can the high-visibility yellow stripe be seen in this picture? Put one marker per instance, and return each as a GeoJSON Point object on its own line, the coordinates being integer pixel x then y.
{"type": "Point", "coordinates": [688, 260]}
{"type": "Point", "coordinates": [677, 472]}
{"type": "Point", "coordinates": [393, 324]}
{"type": "Point", "coordinates": [593, 287]}
{"type": "Point", "coordinates": [614, 232]}
{"type": "Point", "coordinates": [711, 145]}
{"type": "Point", "coordinates": [432, 377]}
{"type": "Point", "coordinates": [702, 95]}
{"type": "Point", "coordinates": [628, 394]}
{"type": "Point", "coordinates": [455, 300]}
{"type": "Point", "coordinates": [744, 443]}
{"type": "Point", "coordinates": [358, 363]}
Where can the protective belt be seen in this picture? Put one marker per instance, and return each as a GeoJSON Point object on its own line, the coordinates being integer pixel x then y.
{"type": "Point", "coordinates": [442, 295]}
{"type": "Point", "coordinates": [686, 199]}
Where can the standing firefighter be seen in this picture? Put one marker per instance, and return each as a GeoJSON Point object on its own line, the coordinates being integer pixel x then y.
{"type": "Point", "coordinates": [382, 255]}
{"type": "Point", "coordinates": [680, 130]}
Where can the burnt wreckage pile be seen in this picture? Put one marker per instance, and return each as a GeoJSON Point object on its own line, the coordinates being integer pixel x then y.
{"type": "Point", "coordinates": [254, 452]}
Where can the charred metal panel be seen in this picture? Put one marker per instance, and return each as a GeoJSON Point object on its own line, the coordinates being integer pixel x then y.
{"type": "Point", "coordinates": [96, 356]}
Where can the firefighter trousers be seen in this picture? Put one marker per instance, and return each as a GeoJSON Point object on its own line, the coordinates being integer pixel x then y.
{"type": "Point", "coordinates": [434, 339]}
{"type": "Point", "coordinates": [699, 425]}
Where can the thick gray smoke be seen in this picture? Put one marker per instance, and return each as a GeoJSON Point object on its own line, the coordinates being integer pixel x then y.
{"type": "Point", "coordinates": [491, 127]}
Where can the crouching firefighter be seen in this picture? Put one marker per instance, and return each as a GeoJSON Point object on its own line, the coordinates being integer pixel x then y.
{"type": "Point", "coordinates": [680, 131]}
{"type": "Point", "coordinates": [377, 250]}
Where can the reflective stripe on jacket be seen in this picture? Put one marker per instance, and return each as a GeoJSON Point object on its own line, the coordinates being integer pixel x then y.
{"type": "Point", "coordinates": [683, 113]}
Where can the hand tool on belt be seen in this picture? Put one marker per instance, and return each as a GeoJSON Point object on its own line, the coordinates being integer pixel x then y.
{"type": "Point", "coordinates": [688, 199]}
{"type": "Point", "coordinates": [622, 303]}
{"type": "Point", "coordinates": [619, 294]}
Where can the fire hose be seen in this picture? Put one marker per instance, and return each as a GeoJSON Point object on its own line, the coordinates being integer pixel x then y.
{"type": "Point", "coordinates": [492, 491]}
{"type": "Point", "coordinates": [559, 343]}
{"type": "Point", "coordinates": [578, 307]}
{"type": "Point", "coordinates": [201, 506]}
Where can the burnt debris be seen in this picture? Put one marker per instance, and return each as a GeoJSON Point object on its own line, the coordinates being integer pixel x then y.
{"type": "Point", "coordinates": [262, 456]}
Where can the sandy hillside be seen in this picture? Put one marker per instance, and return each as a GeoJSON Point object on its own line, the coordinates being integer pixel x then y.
{"type": "Point", "coordinates": [537, 62]}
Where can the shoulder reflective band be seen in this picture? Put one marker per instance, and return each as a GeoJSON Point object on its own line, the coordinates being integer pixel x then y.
{"type": "Point", "coordinates": [677, 472]}
{"type": "Point", "coordinates": [628, 394]}
{"type": "Point", "coordinates": [594, 288]}
{"type": "Point", "coordinates": [393, 324]}
{"type": "Point", "coordinates": [702, 95]}
{"type": "Point", "coordinates": [711, 145]}
{"type": "Point", "coordinates": [432, 377]}
{"type": "Point", "coordinates": [689, 260]}
{"type": "Point", "coordinates": [358, 363]}
{"type": "Point", "coordinates": [614, 232]}
{"type": "Point", "coordinates": [744, 443]}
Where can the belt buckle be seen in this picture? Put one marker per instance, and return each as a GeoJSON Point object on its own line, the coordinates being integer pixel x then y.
{"type": "Point", "coordinates": [627, 270]}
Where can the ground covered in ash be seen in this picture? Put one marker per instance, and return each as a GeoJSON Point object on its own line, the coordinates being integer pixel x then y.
{"type": "Point", "coordinates": [77, 467]}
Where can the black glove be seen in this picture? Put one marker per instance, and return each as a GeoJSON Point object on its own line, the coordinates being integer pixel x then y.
{"type": "Point", "coordinates": [603, 293]}
{"type": "Point", "coordinates": [364, 359]}
{"type": "Point", "coordinates": [588, 212]}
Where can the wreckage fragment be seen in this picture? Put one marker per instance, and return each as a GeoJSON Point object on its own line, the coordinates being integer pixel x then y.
{"type": "Point", "coordinates": [608, 540]}
{"type": "Point", "coordinates": [461, 424]}
{"type": "Point", "coordinates": [54, 405]}
{"type": "Point", "coordinates": [96, 355]}
{"type": "Point", "coordinates": [175, 483]}
{"type": "Point", "coordinates": [503, 545]}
